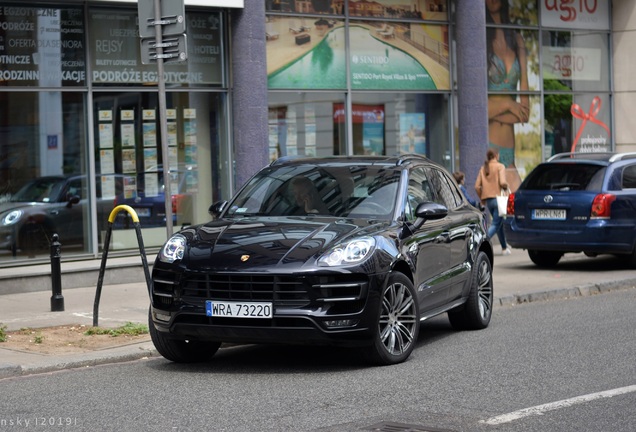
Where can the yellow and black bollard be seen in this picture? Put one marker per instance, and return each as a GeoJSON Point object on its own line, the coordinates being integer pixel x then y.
{"type": "Point", "coordinates": [142, 252]}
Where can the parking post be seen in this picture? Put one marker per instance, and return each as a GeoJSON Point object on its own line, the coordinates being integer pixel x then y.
{"type": "Point", "coordinates": [57, 299]}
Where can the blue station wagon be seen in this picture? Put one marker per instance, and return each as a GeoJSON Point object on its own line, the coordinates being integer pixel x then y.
{"type": "Point", "coordinates": [576, 202]}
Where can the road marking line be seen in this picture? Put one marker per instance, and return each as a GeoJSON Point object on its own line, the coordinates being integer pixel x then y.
{"type": "Point", "coordinates": [540, 409]}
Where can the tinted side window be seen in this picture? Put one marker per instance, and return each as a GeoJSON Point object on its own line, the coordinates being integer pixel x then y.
{"type": "Point", "coordinates": [442, 189]}
{"type": "Point", "coordinates": [449, 193]}
{"type": "Point", "coordinates": [629, 177]}
{"type": "Point", "coordinates": [419, 191]}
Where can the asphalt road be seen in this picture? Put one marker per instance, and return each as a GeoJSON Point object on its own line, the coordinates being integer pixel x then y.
{"type": "Point", "coordinates": [569, 354]}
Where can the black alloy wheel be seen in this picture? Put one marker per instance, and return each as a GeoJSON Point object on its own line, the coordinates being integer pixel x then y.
{"type": "Point", "coordinates": [397, 322]}
{"type": "Point", "coordinates": [475, 314]}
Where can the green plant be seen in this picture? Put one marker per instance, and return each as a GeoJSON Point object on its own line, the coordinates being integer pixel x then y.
{"type": "Point", "coordinates": [3, 333]}
{"type": "Point", "coordinates": [128, 329]}
{"type": "Point", "coordinates": [38, 339]}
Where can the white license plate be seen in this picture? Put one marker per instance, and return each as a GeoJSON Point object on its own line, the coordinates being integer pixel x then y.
{"type": "Point", "coordinates": [216, 308]}
{"type": "Point", "coordinates": [142, 212]}
{"type": "Point", "coordinates": [548, 214]}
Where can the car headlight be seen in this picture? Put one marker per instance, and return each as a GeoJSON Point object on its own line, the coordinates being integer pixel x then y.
{"type": "Point", "coordinates": [173, 249]}
{"type": "Point", "coordinates": [351, 252]}
{"type": "Point", "coordinates": [11, 217]}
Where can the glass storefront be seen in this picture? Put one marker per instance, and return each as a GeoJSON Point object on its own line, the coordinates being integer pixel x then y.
{"type": "Point", "coordinates": [548, 80]}
{"type": "Point", "coordinates": [359, 78]}
{"type": "Point", "coordinates": [80, 129]}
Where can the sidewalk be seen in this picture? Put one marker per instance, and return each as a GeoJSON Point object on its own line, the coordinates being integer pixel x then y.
{"type": "Point", "coordinates": [516, 280]}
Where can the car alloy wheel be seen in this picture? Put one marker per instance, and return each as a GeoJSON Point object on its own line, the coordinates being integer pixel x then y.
{"type": "Point", "coordinates": [475, 314]}
{"type": "Point", "coordinates": [398, 322]}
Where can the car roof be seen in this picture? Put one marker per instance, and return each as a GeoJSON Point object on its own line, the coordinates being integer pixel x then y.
{"type": "Point", "coordinates": [386, 161]}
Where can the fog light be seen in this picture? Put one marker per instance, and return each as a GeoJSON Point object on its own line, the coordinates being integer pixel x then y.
{"type": "Point", "coordinates": [341, 323]}
{"type": "Point", "coordinates": [162, 317]}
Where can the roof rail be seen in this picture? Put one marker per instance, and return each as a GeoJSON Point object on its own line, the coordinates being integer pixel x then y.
{"type": "Point", "coordinates": [581, 155]}
{"type": "Point", "coordinates": [284, 159]}
{"type": "Point", "coordinates": [621, 156]}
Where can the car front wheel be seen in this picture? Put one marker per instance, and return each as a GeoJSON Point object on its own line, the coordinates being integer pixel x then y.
{"type": "Point", "coordinates": [397, 322]}
{"type": "Point", "coordinates": [475, 314]}
{"type": "Point", "coordinates": [181, 351]}
{"type": "Point", "coordinates": [546, 259]}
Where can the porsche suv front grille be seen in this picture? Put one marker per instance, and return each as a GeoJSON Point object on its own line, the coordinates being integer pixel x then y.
{"type": "Point", "coordinates": [282, 290]}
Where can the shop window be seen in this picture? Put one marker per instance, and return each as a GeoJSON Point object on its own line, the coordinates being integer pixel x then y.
{"type": "Point", "coordinates": [43, 178]}
{"type": "Point", "coordinates": [130, 160]}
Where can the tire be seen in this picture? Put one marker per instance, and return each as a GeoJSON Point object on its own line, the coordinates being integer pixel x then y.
{"type": "Point", "coordinates": [397, 321]}
{"type": "Point", "coordinates": [181, 351]}
{"type": "Point", "coordinates": [475, 314]}
{"type": "Point", "coordinates": [545, 259]}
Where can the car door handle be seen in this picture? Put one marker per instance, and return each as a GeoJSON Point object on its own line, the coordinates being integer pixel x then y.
{"type": "Point", "coordinates": [54, 212]}
{"type": "Point", "coordinates": [443, 237]}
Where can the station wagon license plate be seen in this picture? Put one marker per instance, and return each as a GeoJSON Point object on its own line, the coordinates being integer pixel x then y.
{"type": "Point", "coordinates": [215, 308]}
{"type": "Point", "coordinates": [548, 214]}
{"type": "Point", "coordinates": [142, 212]}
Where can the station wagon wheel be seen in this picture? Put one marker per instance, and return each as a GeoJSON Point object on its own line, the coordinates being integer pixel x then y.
{"type": "Point", "coordinates": [546, 259]}
{"type": "Point", "coordinates": [475, 314]}
{"type": "Point", "coordinates": [181, 351]}
{"type": "Point", "coordinates": [397, 322]}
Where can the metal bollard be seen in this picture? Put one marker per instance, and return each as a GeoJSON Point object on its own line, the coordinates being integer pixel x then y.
{"type": "Point", "coordinates": [57, 299]}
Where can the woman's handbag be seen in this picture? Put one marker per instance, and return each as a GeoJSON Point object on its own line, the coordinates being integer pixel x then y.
{"type": "Point", "coordinates": [502, 202]}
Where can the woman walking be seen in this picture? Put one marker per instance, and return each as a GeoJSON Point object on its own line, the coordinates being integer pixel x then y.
{"type": "Point", "coordinates": [490, 181]}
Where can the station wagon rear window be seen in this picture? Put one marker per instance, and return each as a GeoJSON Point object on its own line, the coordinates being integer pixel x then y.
{"type": "Point", "coordinates": [564, 177]}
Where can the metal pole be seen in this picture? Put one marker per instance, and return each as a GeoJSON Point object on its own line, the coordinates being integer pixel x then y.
{"type": "Point", "coordinates": [163, 125]}
{"type": "Point", "coordinates": [100, 277]}
{"type": "Point", "coordinates": [57, 299]}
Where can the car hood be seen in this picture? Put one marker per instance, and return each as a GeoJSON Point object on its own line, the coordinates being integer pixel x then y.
{"type": "Point", "coordinates": [268, 243]}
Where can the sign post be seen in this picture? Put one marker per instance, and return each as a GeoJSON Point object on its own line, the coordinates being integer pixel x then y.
{"type": "Point", "coordinates": [162, 32]}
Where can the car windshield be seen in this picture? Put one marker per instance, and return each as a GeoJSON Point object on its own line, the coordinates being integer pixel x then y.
{"type": "Point", "coordinates": [334, 190]}
{"type": "Point", "coordinates": [565, 177]}
{"type": "Point", "coordinates": [45, 189]}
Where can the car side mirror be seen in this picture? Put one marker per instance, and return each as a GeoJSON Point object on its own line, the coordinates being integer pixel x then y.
{"type": "Point", "coordinates": [425, 211]}
{"type": "Point", "coordinates": [72, 200]}
{"type": "Point", "coordinates": [217, 208]}
{"type": "Point", "coordinates": [429, 211]}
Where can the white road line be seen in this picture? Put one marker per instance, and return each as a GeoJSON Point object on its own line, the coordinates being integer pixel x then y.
{"type": "Point", "coordinates": [540, 409]}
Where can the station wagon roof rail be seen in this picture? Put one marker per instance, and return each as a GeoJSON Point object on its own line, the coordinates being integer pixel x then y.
{"type": "Point", "coordinates": [608, 156]}
{"type": "Point", "coordinates": [580, 155]}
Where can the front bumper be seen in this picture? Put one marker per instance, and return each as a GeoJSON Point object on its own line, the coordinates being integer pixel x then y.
{"type": "Point", "coordinates": [314, 308]}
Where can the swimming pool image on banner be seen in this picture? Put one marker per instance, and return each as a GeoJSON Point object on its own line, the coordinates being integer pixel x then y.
{"type": "Point", "coordinates": [322, 67]}
{"type": "Point", "coordinates": [374, 64]}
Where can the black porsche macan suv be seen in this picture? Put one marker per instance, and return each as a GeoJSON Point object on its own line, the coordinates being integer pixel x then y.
{"type": "Point", "coordinates": [350, 251]}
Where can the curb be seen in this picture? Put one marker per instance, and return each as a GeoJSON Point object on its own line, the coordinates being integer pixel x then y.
{"type": "Point", "coordinates": [566, 293]}
{"type": "Point", "coordinates": [57, 363]}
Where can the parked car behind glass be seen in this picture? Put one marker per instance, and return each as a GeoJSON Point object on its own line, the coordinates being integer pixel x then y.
{"type": "Point", "coordinates": [576, 202]}
{"type": "Point", "coordinates": [45, 206]}
{"type": "Point", "coordinates": [352, 251]}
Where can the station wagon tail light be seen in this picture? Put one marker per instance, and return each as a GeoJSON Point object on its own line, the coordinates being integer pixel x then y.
{"type": "Point", "coordinates": [510, 207]}
{"type": "Point", "coordinates": [602, 206]}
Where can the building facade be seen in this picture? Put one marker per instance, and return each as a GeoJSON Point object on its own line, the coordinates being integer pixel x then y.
{"type": "Point", "coordinates": [82, 129]}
